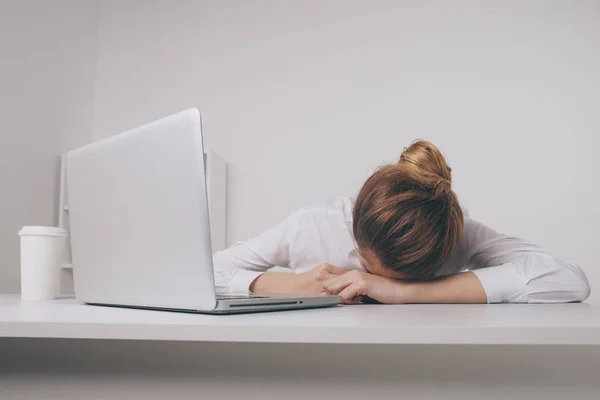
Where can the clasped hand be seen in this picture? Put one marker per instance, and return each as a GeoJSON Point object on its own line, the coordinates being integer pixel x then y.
{"type": "Point", "coordinates": [353, 286]}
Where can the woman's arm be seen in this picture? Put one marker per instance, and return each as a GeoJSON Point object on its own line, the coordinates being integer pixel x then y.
{"type": "Point", "coordinates": [243, 267]}
{"type": "Point", "coordinates": [240, 265]}
{"type": "Point", "coordinates": [512, 270]}
{"type": "Point", "coordinates": [463, 287]}
{"type": "Point", "coordinates": [355, 286]}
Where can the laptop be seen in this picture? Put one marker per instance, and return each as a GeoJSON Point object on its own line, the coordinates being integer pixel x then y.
{"type": "Point", "coordinates": [139, 224]}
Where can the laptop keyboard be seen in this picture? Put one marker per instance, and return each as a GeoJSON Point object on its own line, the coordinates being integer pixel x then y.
{"type": "Point", "coordinates": [239, 296]}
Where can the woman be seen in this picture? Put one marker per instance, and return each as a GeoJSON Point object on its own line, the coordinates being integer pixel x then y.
{"type": "Point", "coordinates": [404, 240]}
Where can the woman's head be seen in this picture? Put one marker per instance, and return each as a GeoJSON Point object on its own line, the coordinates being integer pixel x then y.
{"type": "Point", "coordinates": [407, 221]}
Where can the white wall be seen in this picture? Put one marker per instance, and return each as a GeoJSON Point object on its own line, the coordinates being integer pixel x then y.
{"type": "Point", "coordinates": [47, 64]}
{"type": "Point", "coordinates": [305, 98]}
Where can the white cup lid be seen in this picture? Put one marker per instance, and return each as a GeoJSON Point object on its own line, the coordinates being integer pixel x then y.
{"type": "Point", "coordinates": [42, 230]}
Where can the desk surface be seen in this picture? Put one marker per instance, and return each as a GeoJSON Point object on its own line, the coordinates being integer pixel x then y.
{"type": "Point", "coordinates": [556, 324]}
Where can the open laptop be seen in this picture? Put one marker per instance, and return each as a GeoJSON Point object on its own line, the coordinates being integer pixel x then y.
{"type": "Point", "coordinates": [139, 224]}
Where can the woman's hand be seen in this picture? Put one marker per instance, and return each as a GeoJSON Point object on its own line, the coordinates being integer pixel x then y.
{"type": "Point", "coordinates": [311, 281]}
{"type": "Point", "coordinates": [354, 286]}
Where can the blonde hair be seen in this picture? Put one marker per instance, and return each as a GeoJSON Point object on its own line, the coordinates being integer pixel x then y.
{"type": "Point", "coordinates": [407, 213]}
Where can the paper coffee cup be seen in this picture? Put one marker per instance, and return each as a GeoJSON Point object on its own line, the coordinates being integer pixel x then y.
{"type": "Point", "coordinates": [42, 250]}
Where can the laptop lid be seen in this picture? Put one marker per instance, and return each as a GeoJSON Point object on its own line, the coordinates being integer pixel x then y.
{"type": "Point", "coordinates": [139, 219]}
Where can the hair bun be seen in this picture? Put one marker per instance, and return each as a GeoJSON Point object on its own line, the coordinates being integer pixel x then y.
{"type": "Point", "coordinates": [426, 162]}
{"type": "Point", "coordinates": [426, 158]}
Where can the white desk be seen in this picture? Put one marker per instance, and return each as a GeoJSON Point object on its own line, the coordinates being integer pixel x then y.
{"type": "Point", "coordinates": [418, 351]}
{"type": "Point", "coordinates": [556, 324]}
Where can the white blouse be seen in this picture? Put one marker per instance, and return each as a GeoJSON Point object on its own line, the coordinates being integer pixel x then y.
{"type": "Point", "coordinates": [510, 269]}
